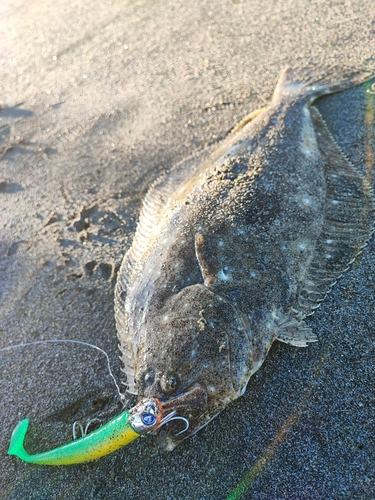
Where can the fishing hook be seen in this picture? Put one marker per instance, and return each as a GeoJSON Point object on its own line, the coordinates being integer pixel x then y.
{"type": "Point", "coordinates": [173, 416]}
{"type": "Point", "coordinates": [84, 431]}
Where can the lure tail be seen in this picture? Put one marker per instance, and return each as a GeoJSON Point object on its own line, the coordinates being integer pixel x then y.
{"type": "Point", "coordinates": [16, 441]}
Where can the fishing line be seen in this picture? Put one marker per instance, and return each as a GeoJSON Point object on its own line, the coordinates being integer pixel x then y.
{"type": "Point", "coordinates": [68, 341]}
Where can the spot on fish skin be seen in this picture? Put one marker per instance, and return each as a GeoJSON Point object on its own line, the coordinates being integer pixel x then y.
{"type": "Point", "coordinates": [302, 246]}
{"type": "Point", "coordinates": [165, 318]}
{"type": "Point", "coordinates": [306, 201]}
{"type": "Point", "coordinates": [274, 314]}
{"type": "Point", "coordinates": [221, 243]}
{"type": "Point", "coordinates": [328, 256]}
{"type": "Point", "coordinates": [329, 242]}
{"type": "Point", "coordinates": [253, 274]}
{"type": "Point", "coordinates": [222, 276]}
{"type": "Point", "coordinates": [211, 388]}
{"type": "Point", "coordinates": [335, 202]}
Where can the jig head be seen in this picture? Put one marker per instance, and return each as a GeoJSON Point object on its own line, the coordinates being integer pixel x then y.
{"type": "Point", "coordinates": [147, 416]}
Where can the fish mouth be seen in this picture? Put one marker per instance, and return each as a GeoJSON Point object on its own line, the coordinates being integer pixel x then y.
{"type": "Point", "coordinates": [194, 398]}
{"type": "Point", "coordinates": [150, 414]}
{"type": "Point", "coordinates": [184, 407]}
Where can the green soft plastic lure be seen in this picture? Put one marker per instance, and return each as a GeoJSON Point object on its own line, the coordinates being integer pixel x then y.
{"type": "Point", "coordinates": [145, 417]}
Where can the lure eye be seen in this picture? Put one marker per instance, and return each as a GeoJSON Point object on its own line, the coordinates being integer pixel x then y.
{"type": "Point", "coordinates": [146, 416]}
{"type": "Point", "coordinates": [148, 419]}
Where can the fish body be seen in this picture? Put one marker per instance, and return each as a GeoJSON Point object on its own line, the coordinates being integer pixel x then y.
{"type": "Point", "coordinates": [235, 253]}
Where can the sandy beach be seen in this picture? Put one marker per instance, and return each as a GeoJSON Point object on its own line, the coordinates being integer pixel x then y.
{"type": "Point", "coordinates": [97, 100]}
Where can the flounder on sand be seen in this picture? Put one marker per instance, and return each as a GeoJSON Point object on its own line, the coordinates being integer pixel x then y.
{"type": "Point", "coordinates": [235, 253]}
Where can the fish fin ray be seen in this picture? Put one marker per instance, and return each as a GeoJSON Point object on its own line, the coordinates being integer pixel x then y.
{"type": "Point", "coordinates": [294, 332]}
{"type": "Point", "coordinates": [159, 197]}
{"type": "Point", "coordinates": [349, 215]}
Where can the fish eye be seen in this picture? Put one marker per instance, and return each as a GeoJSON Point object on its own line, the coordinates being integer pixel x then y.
{"type": "Point", "coordinates": [169, 382]}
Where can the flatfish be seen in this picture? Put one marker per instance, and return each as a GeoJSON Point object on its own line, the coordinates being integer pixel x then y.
{"type": "Point", "coordinates": [235, 253]}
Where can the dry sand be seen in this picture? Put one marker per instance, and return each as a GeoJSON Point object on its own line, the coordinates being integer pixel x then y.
{"type": "Point", "coordinates": [97, 98]}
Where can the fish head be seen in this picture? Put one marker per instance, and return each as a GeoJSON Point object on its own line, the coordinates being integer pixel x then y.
{"type": "Point", "coordinates": [196, 339]}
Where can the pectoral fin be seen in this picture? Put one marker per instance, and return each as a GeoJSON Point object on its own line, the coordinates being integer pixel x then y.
{"type": "Point", "coordinates": [294, 332]}
{"type": "Point", "coordinates": [207, 260]}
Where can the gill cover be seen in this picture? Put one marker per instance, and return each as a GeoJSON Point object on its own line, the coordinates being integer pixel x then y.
{"type": "Point", "coordinates": [118, 432]}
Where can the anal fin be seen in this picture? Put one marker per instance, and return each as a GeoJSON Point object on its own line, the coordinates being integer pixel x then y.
{"type": "Point", "coordinates": [347, 226]}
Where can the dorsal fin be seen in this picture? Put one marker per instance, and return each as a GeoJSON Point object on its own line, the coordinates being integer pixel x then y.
{"type": "Point", "coordinates": [158, 199]}
{"type": "Point", "coordinates": [347, 226]}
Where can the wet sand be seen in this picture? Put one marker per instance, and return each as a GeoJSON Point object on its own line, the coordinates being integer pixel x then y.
{"type": "Point", "coordinates": [97, 100]}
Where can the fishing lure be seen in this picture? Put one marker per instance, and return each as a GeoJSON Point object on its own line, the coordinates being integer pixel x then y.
{"type": "Point", "coordinates": [147, 416]}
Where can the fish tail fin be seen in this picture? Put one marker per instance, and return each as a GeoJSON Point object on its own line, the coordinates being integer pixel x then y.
{"type": "Point", "coordinates": [314, 83]}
